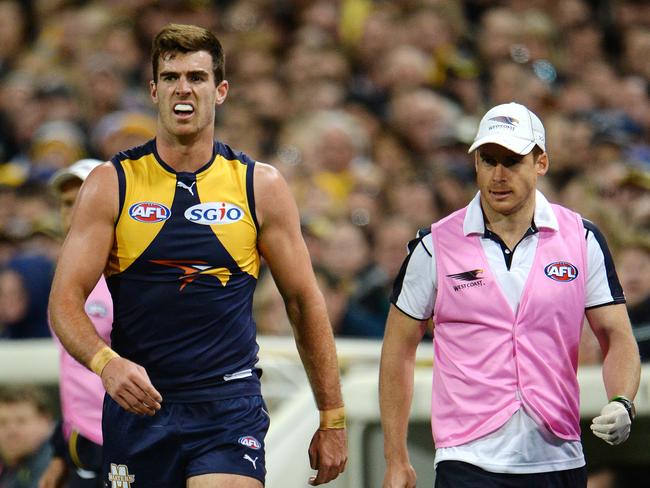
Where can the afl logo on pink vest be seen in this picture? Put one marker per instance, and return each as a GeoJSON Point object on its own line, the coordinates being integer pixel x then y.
{"type": "Point", "coordinates": [250, 441]}
{"type": "Point", "coordinates": [561, 271]}
{"type": "Point", "coordinates": [149, 212]}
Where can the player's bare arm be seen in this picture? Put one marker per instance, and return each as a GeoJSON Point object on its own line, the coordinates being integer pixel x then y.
{"type": "Point", "coordinates": [81, 262]}
{"type": "Point", "coordinates": [282, 246]}
{"type": "Point", "coordinates": [401, 339]}
{"type": "Point", "coordinates": [621, 372]}
{"type": "Point", "coordinates": [621, 363]}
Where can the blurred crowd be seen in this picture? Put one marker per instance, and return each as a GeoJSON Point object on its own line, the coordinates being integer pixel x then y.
{"type": "Point", "coordinates": [366, 106]}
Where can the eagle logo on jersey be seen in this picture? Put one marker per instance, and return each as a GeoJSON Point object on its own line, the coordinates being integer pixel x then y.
{"type": "Point", "coordinates": [192, 269]}
{"type": "Point", "coordinates": [467, 275]}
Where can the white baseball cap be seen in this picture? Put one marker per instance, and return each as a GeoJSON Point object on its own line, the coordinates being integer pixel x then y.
{"type": "Point", "coordinates": [512, 126]}
{"type": "Point", "coordinates": [79, 170]}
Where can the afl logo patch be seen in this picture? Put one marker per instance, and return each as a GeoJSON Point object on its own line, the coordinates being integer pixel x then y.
{"type": "Point", "coordinates": [149, 212]}
{"type": "Point", "coordinates": [96, 309]}
{"type": "Point", "coordinates": [561, 271]}
{"type": "Point", "coordinates": [214, 213]}
{"type": "Point", "coordinates": [250, 441]}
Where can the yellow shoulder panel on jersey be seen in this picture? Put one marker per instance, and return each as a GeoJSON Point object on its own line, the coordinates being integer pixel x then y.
{"type": "Point", "coordinates": [225, 183]}
{"type": "Point", "coordinates": [147, 203]}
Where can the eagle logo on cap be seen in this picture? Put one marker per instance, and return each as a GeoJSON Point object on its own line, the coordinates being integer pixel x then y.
{"type": "Point", "coordinates": [504, 119]}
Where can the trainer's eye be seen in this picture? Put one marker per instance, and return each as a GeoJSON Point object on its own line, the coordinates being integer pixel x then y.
{"type": "Point", "coordinates": [489, 160]}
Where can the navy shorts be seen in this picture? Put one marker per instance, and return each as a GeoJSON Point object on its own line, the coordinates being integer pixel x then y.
{"type": "Point", "coordinates": [457, 474]}
{"type": "Point", "coordinates": [184, 440]}
{"type": "Point", "coordinates": [84, 459]}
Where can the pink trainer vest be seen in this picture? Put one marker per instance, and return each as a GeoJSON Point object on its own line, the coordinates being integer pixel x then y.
{"type": "Point", "coordinates": [484, 353]}
{"type": "Point", "coordinates": [81, 390]}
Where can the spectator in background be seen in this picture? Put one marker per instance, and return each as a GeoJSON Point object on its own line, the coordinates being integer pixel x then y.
{"type": "Point", "coordinates": [634, 272]}
{"type": "Point", "coordinates": [423, 119]}
{"type": "Point", "coordinates": [24, 289]}
{"type": "Point", "coordinates": [25, 426]}
{"type": "Point", "coordinates": [33, 209]}
{"type": "Point", "coordinates": [367, 307]}
{"type": "Point", "coordinates": [413, 201]}
{"type": "Point", "coordinates": [414, 73]}
{"type": "Point", "coordinates": [13, 301]}
{"type": "Point", "coordinates": [56, 144]}
{"type": "Point", "coordinates": [499, 31]}
{"type": "Point", "coordinates": [347, 258]}
{"type": "Point", "coordinates": [121, 130]}
{"type": "Point", "coordinates": [634, 198]}
{"type": "Point", "coordinates": [77, 439]}
{"type": "Point", "coordinates": [14, 31]}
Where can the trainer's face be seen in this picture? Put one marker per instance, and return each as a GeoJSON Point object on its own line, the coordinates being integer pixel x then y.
{"type": "Point", "coordinates": [507, 180]}
{"type": "Point", "coordinates": [186, 94]}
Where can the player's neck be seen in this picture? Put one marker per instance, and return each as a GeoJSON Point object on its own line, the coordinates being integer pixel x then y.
{"type": "Point", "coordinates": [511, 227]}
{"type": "Point", "coordinates": [188, 153]}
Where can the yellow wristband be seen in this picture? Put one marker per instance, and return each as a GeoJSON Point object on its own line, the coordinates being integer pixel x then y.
{"type": "Point", "coordinates": [101, 359]}
{"type": "Point", "coordinates": [332, 419]}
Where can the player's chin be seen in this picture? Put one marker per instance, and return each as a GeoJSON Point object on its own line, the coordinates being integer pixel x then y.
{"type": "Point", "coordinates": [182, 121]}
{"type": "Point", "coordinates": [183, 128]}
{"type": "Point", "coordinates": [504, 207]}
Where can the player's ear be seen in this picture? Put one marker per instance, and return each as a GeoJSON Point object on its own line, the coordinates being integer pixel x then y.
{"type": "Point", "coordinates": [542, 164]}
{"type": "Point", "coordinates": [222, 92]}
{"type": "Point", "coordinates": [153, 91]}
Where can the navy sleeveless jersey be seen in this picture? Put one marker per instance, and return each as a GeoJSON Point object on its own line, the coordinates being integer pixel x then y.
{"type": "Point", "coordinates": [182, 272]}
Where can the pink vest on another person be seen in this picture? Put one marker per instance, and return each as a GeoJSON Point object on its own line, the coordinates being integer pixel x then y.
{"type": "Point", "coordinates": [487, 359]}
{"type": "Point", "coordinates": [81, 390]}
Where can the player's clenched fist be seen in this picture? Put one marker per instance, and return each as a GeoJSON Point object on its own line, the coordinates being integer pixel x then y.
{"type": "Point", "coordinates": [328, 453]}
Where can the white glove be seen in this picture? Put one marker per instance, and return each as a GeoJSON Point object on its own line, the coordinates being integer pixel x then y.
{"type": "Point", "coordinates": [613, 424]}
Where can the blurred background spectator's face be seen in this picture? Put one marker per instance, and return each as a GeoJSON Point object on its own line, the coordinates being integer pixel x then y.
{"type": "Point", "coordinates": [13, 297]}
{"type": "Point", "coordinates": [390, 246]}
{"type": "Point", "coordinates": [22, 430]}
{"type": "Point", "coordinates": [12, 28]}
{"type": "Point", "coordinates": [346, 251]}
{"type": "Point", "coordinates": [633, 266]}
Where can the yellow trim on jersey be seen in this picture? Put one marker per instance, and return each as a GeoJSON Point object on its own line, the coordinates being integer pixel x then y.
{"type": "Point", "coordinates": [225, 181]}
{"type": "Point", "coordinates": [153, 184]}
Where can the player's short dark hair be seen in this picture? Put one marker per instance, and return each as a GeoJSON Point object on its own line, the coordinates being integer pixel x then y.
{"type": "Point", "coordinates": [182, 38]}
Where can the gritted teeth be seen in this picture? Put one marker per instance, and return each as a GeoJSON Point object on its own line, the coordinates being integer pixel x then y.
{"type": "Point", "coordinates": [183, 107]}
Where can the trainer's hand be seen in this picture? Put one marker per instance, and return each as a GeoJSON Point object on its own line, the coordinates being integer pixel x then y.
{"type": "Point", "coordinates": [129, 385]}
{"type": "Point", "coordinates": [613, 424]}
{"type": "Point", "coordinates": [55, 474]}
{"type": "Point", "coordinates": [328, 453]}
{"type": "Point", "coordinates": [399, 475]}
